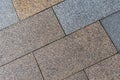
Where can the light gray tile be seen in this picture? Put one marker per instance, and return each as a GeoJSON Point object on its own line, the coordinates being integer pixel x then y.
{"type": "Point", "coordinates": [29, 35]}
{"type": "Point", "coordinates": [106, 70]}
{"type": "Point", "coordinates": [24, 68]}
{"type": "Point", "coordinates": [112, 26]}
{"type": "Point", "coordinates": [79, 76]}
{"type": "Point", "coordinates": [74, 52]}
{"type": "Point", "coordinates": [75, 14]}
{"type": "Point", "coordinates": [7, 14]}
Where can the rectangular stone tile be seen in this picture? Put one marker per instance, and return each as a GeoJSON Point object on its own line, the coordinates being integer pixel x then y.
{"type": "Point", "coordinates": [78, 76]}
{"type": "Point", "coordinates": [112, 26]}
{"type": "Point", "coordinates": [7, 14]}
{"type": "Point", "coordinates": [29, 35]}
{"type": "Point", "coordinates": [74, 52]}
{"type": "Point", "coordinates": [75, 14]}
{"type": "Point", "coordinates": [24, 68]}
{"type": "Point", "coordinates": [106, 70]}
{"type": "Point", "coordinates": [26, 8]}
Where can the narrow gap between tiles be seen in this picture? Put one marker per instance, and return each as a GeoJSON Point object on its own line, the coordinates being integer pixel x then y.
{"type": "Point", "coordinates": [86, 74]}
{"type": "Point", "coordinates": [108, 35]}
{"type": "Point", "coordinates": [15, 11]}
{"type": "Point", "coordinates": [39, 67]}
{"type": "Point", "coordinates": [58, 21]}
{"type": "Point", "coordinates": [89, 66]}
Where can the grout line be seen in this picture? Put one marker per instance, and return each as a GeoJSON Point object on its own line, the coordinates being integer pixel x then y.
{"type": "Point", "coordinates": [32, 51]}
{"type": "Point", "coordinates": [41, 47]}
{"type": "Point", "coordinates": [58, 20]}
{"type": "Point", "coordinates": [46, 45]}
{"type": "Point", "coordinates": [86, 74]}
{"type": "Point", "coordinates": [108, 36]}
{"type": "Point", "coordinates": [90, 66]}
{"type": "Point", "coordinates": [72, 74]}
{"type": "Point", "coordinates": [41, 11]}
{"type": "Point", "coordinates": [39, 67]}
{"type": "Point", "coordinates": [15, 11]}
{"type": "Point", "coordinates": [101, 60]}
{"type": "Point", "coordinates": [7, 27]}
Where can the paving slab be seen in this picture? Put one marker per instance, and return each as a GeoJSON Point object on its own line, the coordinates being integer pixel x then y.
{"type": "Point", "coordinates": [7, 14]}
{"type": "Point", "coordinates": [28, 35]}
{"type": "Point", "coordinates": [106, 70]}
{"type": "Point", "coordinates": [26, 8]}
{"type": "Point", "coordinates": [112, 26]}
{"type": "Point", "coordinates": [78, 76]}
{"type": "Point", "coordinates": [74, 52]}
{"type": "Point", "coordinates": [76, 14]}
{"type": "Point", "coordinates": [24, 68]}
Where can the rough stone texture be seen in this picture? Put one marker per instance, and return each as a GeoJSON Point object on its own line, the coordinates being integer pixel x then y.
{"type": "Point", "coordinates": [28, 35]}
{"type": "Point", "coordinates": [75, 14]}
{"type": "Point", "coordinates": [7, 14]}
{"type": "Point", "coordinates": [112, 26]}
{"type": "Point", "coordinates": [79, 76]}
{"type": "Point", "coordinates": [74, 52]}
{"type": "Point", "coordinates": [105, 70]}
{"type": "Point", "coordinates": [26, 8]}
{"type": "Point", "coordinates": [24, 68]}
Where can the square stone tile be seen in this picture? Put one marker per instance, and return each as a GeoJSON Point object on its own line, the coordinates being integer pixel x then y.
{"type": "Point", "coordinates": [112, 26]}
{"type": "Point", "coordinates": [79, 76]}
{"type": "Point", "coordinates": [29, 35]}
{"type": "Point", "coordinates": [106, 70]}
{"type": "Point", "coordinates": [74, 52]}
{"type": "Point", "coordinates": [75, 14]}
{"type": "Point", "coordinates": [24, 68]}
{"type": "Point", "coordinates": [7, 14]}
{"type": "Point", "coordinates": [26, 8]}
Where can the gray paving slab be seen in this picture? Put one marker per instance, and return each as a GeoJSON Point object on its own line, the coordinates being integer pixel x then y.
{"type": "Point", "coordinates": [76, 14]}
{"type": "Point", "coordinates": [24, 68]}
{"type": "Point", "coordinates": [78, 76]}
{"type": "Point", "coordinates": [108, 69]}
{"type": "Point", "coordinates": [74, 52]}
{"type": "Point", "coordinates": [112, 26]}
{"type": "Point", "coordinates": [28, 35]}
{"type": "Point", "coordinates": [8, 15]}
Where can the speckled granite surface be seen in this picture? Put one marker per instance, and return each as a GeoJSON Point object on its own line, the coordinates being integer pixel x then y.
{"type": "Point", "coordinates": [8, 15]}
{"type": "Point", "coordinates": [26, 8]}
{"type": "Point", "coordinates": [59, 40]}
{"type": "Point", "coordinates": [112, 26]}
{"type": "Point", "coordinates": [75, 52]}
{"type": "Point", "coordinates": [76, 14]}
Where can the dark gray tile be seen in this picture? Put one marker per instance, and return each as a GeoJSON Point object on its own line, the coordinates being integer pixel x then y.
{"type": "Point", "coordinates": [8, 15]}
{"type": "Point", "coordinates": [24, 68]}
{"type": "Point", "coordinates": [28, 35]}
{"type": "Point", "coordinates": [106, 70]}
{"type": "Point", "coordinates": [112, 26]}
{"type": "Point", "coordinates": [74, 52]}
{"type": "Point", "coordinates": [75, 14]}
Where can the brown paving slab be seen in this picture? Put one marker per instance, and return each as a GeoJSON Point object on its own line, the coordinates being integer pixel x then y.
{"type": "Point", "coordinates": [24, 68]}
{"type": "Point", "coordinates": [26, 8]}
{"type": "Point", "coordinates": [108, 69]}
{"type": "Point", "coordinates": [74, 52]}
{"type": "Point", "coordinates": [78, 76]}
{"type": "Point", "coordinates": [28, 35]}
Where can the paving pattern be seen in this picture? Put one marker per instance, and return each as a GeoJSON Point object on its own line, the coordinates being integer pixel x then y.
{"type": "Point", "coordinates": [60, 40]}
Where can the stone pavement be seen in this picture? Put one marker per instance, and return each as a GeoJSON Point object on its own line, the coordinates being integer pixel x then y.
{"type": "Point", "coordinates": [60, 40]}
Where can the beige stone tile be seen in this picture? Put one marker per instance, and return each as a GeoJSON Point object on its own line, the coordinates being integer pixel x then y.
{"type": "Point", "coordinates": [28, 35]}
{"type": "Point", "coordinates": [78, 76]}
{"type": "Point", "coordinates": [26, 8]}
{"type": "Point", "coordinates": [108, 69]}
{"type": "Point", "coordinates": [74, 52]}
{"type": "Point", "coordinates": [24, 68]}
